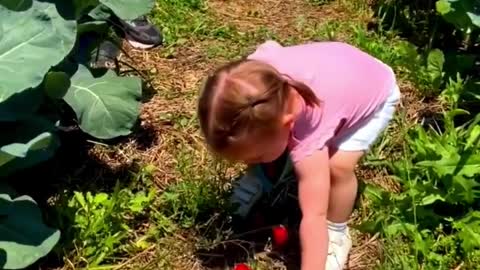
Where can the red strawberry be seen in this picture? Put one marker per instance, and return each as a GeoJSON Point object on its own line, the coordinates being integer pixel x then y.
{"type": "Point", "coordinates": [241, 266]}
{"type": "Point", "coordinates": [280, 236]}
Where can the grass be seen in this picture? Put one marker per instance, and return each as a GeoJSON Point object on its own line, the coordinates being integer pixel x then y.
{"type": "Point", "coordinates": [158, 200]}
{"type": "Point", "coordinates": [180, 19]}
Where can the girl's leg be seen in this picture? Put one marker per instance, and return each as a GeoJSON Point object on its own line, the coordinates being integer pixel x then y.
{"type": "Point", "coordinates": [343, 189]}
{"type": "Point", "coordinates": [349, 149]}
{"type": "Point", "coordinates": [343, 186]}
{"type": "Point", "coordinates": [343, 192]}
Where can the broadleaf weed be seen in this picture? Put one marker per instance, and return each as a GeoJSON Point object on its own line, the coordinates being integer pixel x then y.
{"type": "Point", "coordinates": [439, 180]}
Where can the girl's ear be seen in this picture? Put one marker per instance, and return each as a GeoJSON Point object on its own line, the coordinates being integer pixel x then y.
{"type": "Point", "coordinates": [288, 120]}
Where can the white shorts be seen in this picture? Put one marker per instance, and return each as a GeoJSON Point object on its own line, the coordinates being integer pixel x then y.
{"type": "Point", "coordinates": [367, 132]}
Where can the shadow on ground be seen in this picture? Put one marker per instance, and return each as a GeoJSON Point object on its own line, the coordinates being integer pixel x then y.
{"type": "Point", "coordinates": [77, 167]}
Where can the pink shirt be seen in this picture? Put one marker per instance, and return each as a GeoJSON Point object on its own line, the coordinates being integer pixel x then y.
{"type": "Point", "coordinates": [350, 83]}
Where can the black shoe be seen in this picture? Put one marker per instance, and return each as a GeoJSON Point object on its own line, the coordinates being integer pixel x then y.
{"type": "Point", "coordinates": [141, 34]}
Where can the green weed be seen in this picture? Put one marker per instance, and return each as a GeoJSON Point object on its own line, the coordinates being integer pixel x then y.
{"type": "Point", "coordinates": [180, 19]}
{"type": "Point", "coordinates": [435, 210]}
{"type": "Point", "coordinates": [328, 31]}
{"type": "Point", "coordinates": [191, 203]}
{"type": "Point", "coordinates": [200, 192]}
{"type": "Point", "coordinates": [99, 225]}
{"type": "Point", "coordinates": [235, 44]}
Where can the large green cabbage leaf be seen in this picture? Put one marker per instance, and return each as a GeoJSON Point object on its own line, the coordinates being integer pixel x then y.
{"type": "Point", "coordinates": [31, 42]}
{"type": "Point", "coordinates": [106, 107]}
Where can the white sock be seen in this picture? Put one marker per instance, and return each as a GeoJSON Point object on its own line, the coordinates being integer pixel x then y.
{"type": "Point", "coordinates": [337, 227]}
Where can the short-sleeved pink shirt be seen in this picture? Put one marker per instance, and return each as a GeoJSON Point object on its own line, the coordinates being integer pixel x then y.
{"type": "Point", "coordinates": [350, 83]}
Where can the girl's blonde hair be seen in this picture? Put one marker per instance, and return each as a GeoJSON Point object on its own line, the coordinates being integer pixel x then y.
{"type": "Point", "coordinates": [243, 99]}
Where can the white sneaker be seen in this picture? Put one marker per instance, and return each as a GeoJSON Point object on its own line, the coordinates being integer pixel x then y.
{"type": "Point", "coordinates": [339, 246]}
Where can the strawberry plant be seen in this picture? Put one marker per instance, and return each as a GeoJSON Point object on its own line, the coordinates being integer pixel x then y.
{"type": "Point", "coordinates": [47, 84]}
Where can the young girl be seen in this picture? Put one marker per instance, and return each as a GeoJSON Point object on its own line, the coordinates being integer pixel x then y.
{"type": "Point", "coordinates": [324, 103]}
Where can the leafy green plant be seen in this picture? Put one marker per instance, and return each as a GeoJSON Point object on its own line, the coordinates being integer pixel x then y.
{"type": "Point", "coordinates": [391, 52]}
{"type": "Point", "coordinates": [464, 14]}
{"type": "Point", "coordinates": [453, 92]}
{"type": "Point", "coordinates": [430, 76]}
{"type": "Point", "coordinates": [440, 190]}
{"type": "Point", "coordinates": [187, 201]}
{"type": "Point", "coordinates": [435, 62]}
{"type": "Point", "coordinates": [180, 19]}
{"type": "Point", "coordinates": [445, 24]}
{"type": "Point", "coordinates": [102, 223]}
{"type": "Point", "coordinates": [45, 47]}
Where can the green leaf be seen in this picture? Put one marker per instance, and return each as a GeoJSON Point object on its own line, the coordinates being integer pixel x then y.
{"type": "Point", "coordinates": [139, 202]}
{"type": "Point", "coordinates": [453, 91]}
{"type": "Point", "coordinates": [475, 18]}
{"type": "Point", "coordinates": [100, 13]}
{"type": "Point", "coordinates": [106, 107]}
{"type": "Point", "coordinates": [395, 228]}
{"type": "Point", "coordinates": [24, 144]}
{"type": "Point", "coordinates": [80, 199]}
{"type": "Point", "coordinates": [430, 199]}
{"type": "Point", "coordinates": [16, 5]}
{"type": "Point", "coordinates": [472, 11]}
{"type": "Point", "coordinates": [463, 14]}
{"type": "Point", "coordinates": [56, 84]}
{"type": "Point", "coordinates": [443, 7]}
{"type": "Point", "coordinates": [464, 190]}
{"type": "Point", "coordinates": [100, 198]}
{"type": "Point", "coordinates": [468, 165]}
{"type": "Point", "coordinates": [435, 62]}
{"type": "Point", "coordinates": [24, 238]}
{"type": "Point", "coordinates": [374, 192]}
{"type": "Point", "coordinates": [469, 230]}
{"type": "Point", "coordinates": [31, 42]}
{"type": "Point", "coordinates": [129, 9]}
{"type": "Point", "coordinates": [473, 137]}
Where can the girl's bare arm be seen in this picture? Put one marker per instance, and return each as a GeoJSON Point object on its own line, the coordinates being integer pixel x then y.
{"type": "Point", "coordinates": [314, 187]}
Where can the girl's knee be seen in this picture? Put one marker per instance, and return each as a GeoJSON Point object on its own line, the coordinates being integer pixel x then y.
{"type": "Point", "coordinates": [342, 172]}
{"type": "Point", "coordinates": [342, 166]}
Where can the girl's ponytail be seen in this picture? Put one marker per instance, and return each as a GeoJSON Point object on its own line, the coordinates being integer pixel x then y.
{"type": "Point", "coordinates": [305, 92]}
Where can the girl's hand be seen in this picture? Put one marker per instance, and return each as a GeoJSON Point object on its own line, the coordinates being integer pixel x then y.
{"type": "Point", "coordinates": [314, 188]}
